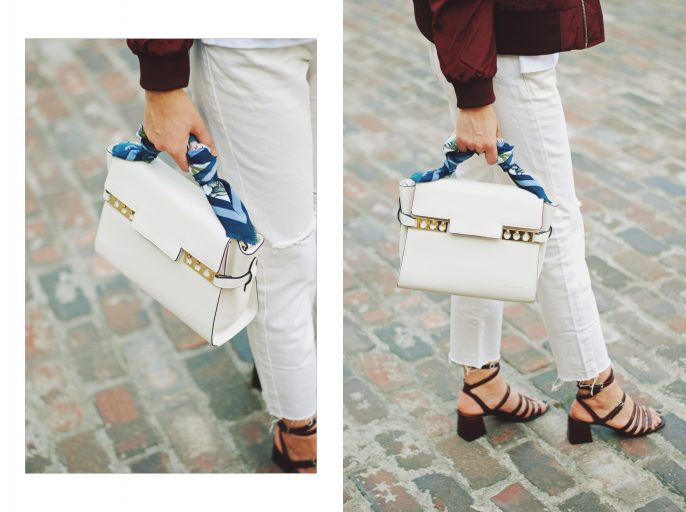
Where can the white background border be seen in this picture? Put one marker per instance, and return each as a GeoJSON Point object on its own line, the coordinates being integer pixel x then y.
{"type": "Point", "coordinates": [266, 18]}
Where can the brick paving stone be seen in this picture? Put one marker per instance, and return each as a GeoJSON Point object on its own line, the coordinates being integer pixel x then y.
{"type": "Point", "coordinates": [384, 370]}
{"type": "Point", "coordinates": [677, 389]}
{"type": "Point", "coordinates": [668, 186]}
{"type": "Point", "coordinates": [585, 502]}
{"type": "Point", "coordinates": [130, 432]}
{"type": "Point", "coordinates": [403, 342]}
{"type": "Point", "coordinates": [39, 340]}
{"type": "Point", "coordinates": [241, 345]}
{"type": "Point", "coordinates": [630, 356]}
{"type": "Point", "coordinates": [540, 469]}
{"type": "Point", "coordinates": [256, 440]}
{"type": "Point", "coordinates": [361, 403]}
{"type": "Point", "coordinates": [385, 493]}
{"type": "Point", "coordinates": [652, 303]}
{"type": "Point", "coordinates": [638, 329]}
{"type": "Point", "coordinates": [564, 393]}
{"type": "Point", "coordinates": [671, 473]}
{"type": "Point", "coordinates": [81, 453]}
{"type": "Point", "coordinates": [195, 439]}
{"type": "Point", "coordinates": [153, 367]}
{"type": "Point", "coordinates": [446, 494]}
{"type": "Point", "coordinates": [117, 406]}
{"type": "Point", "coordinates": [517, 352]}
{"type": "Point", "coordinates": [440, 378]}
{"type": "Point", "coordinates": [515, 498]}
{"type": "Point", "coordinates": [36, 464]}
{"type": "Point", "coordinates": [40, 244]}
{"type": "Point", "coordinates": [642, 241]}
{"type": "Point", "coordinates": [182, 336]}
{"type": "Point", "coordinates": [618, 478]}
{"type": "Point", "coordinates": [229, 398]}
{"type": "Point", "coordinates": [67, 209]}
{"type": "Point", "coordinates": [663, 504]}
{"type": "Point", "coordinates": [640, 265]}
{"type": "Point", "coordinates": [157, 462]}
{"type": "Point", "coordinates": [473, 462]}
{"type": "Point", "coordinates": [121, 306]}
{"type": "Point", "coordinates": [93, 356]}
{"type": "Point", "coordinates": [634, 449]}
{"type": "Point", "coordinates": [408, 454]}
{"type": "Point", "coordinates": [605, 274]}
{"type": "Point", "coordinates": [355, 339]}
{"type": "Point", "coordinates": [675, 431]}
{"type": "Point", "coordinates": [65, 297]}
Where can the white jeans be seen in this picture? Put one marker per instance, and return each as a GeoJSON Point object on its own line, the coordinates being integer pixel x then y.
{"type": "Point", "coordinates": [530, 114]}
{"type": "Point", "coordinates": [260, 108]}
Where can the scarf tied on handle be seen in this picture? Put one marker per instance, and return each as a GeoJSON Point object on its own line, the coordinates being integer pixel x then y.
{"type": "Point", "coordinates": [454, 157]}
{"type": "Point", "coordinates": [226, 204]}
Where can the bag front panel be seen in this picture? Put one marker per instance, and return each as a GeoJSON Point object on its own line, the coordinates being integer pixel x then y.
{"type": "Point", "coordinates": [469, 265]}
{"type": "Point", "coordinates": [172, 283]}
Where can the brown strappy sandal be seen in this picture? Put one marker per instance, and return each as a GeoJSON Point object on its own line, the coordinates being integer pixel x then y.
{"type": "Point", "coordinates": [640, 423]}
{"type": "Point", "coordinates": [471, 426]}
{"type": "Point", "coordinates": [282, 458]}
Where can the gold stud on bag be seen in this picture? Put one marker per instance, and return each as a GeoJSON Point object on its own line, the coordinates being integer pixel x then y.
{"type": "Point", "coordinates": [158, 229]}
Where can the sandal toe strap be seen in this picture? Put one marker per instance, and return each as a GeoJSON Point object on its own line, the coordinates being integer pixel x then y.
{"type": "Point", "coordinates": [629, 426]}
{"type": "Point", "coordinates": [614, 412]}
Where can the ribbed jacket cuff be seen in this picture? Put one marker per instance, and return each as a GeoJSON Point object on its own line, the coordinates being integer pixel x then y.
{"type": "Point", "coordinates": [164, 73]}
{"type": "Point", "coordinates": [474, 94]}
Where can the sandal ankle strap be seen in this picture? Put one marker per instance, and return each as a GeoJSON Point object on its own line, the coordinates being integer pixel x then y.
{"type": "Point", "coordinates": [594, 388]}
{"type": "Point", "coordinates": [468, 387]}
{"type": "Point", "coordinates": [305, 430]}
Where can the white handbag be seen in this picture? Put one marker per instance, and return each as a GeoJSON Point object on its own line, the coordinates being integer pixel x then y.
{"type": "Point", "coordinates": [158, 229]}
{"type": "Point", "coordinates": [472, 238]}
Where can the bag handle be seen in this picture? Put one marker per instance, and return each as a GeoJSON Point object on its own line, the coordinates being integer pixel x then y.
{"type": "Point", "coordinates": [454, 157]}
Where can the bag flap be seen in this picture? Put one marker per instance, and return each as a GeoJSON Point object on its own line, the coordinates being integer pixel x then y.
{"type": "Point", "coordinates": [171, 211]}
{"type": "Point", "coordinates": [477, 208]}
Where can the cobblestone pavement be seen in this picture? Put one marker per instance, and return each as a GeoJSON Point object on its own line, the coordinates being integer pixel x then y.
{"type": "Point", "coordinates": [626, 126]}
{"type": "Point", "coordinates": [114, 383]}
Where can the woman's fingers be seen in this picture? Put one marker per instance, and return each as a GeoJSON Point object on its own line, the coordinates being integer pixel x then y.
{"type": "Point", "coordinates": [179, 156]}
{"type": "Point", "coordinates": [491, 153]}
{"type": "Point", "coordinates": [477, 130]}
{"type": "Point", "coordinates": [203, 136]}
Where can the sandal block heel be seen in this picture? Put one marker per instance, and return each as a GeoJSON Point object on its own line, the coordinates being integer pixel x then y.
{"type": "Point", "coordinates": [578, 432]}
{"type": "Point", "coordinates": [470, 428]}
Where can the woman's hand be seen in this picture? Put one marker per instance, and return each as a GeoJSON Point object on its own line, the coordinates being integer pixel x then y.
{"type": "Point", "coordinates": [477, 130]}
{"type": "Point", "coordinates": [169, 118]}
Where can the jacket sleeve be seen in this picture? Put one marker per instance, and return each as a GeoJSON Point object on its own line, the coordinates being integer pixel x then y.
{"type": "Point", "coordinates": [163, 63]}
{"type": "Point", "coordinates": [462, 31]}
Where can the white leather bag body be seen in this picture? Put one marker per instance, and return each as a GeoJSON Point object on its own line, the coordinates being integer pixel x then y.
{"type": "Point", "coordinates": [472, 238]}
{"type": "Point", "coordinates": [158, 229]}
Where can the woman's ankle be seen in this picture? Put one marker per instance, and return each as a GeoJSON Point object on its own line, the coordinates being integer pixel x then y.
{"type": "Point", "coordinates": [599, 379]}
{"type": "Point", "coordinates": [298, 423]}
{"type": "Point", "coordinates": [472, 374]}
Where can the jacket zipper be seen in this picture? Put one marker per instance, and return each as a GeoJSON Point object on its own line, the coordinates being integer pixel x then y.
{"type": "Point", "coordinates": [583, 11]}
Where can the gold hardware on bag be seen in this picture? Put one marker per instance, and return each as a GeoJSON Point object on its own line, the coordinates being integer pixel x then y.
{"type": "Point", "coordinates": [121, 207]}
{"type": "Point", "coordinates": [431, 224]}
{"type": "Point", "coordinates": [517, 234]}
{"type": "Point", "coordinates": [198, 266]}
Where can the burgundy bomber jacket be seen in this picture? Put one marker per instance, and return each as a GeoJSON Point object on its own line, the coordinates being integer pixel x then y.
{"type": "Point", "coordinates": [469, 34]}
{"type": "Point", "coordinates": [164, 63]}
